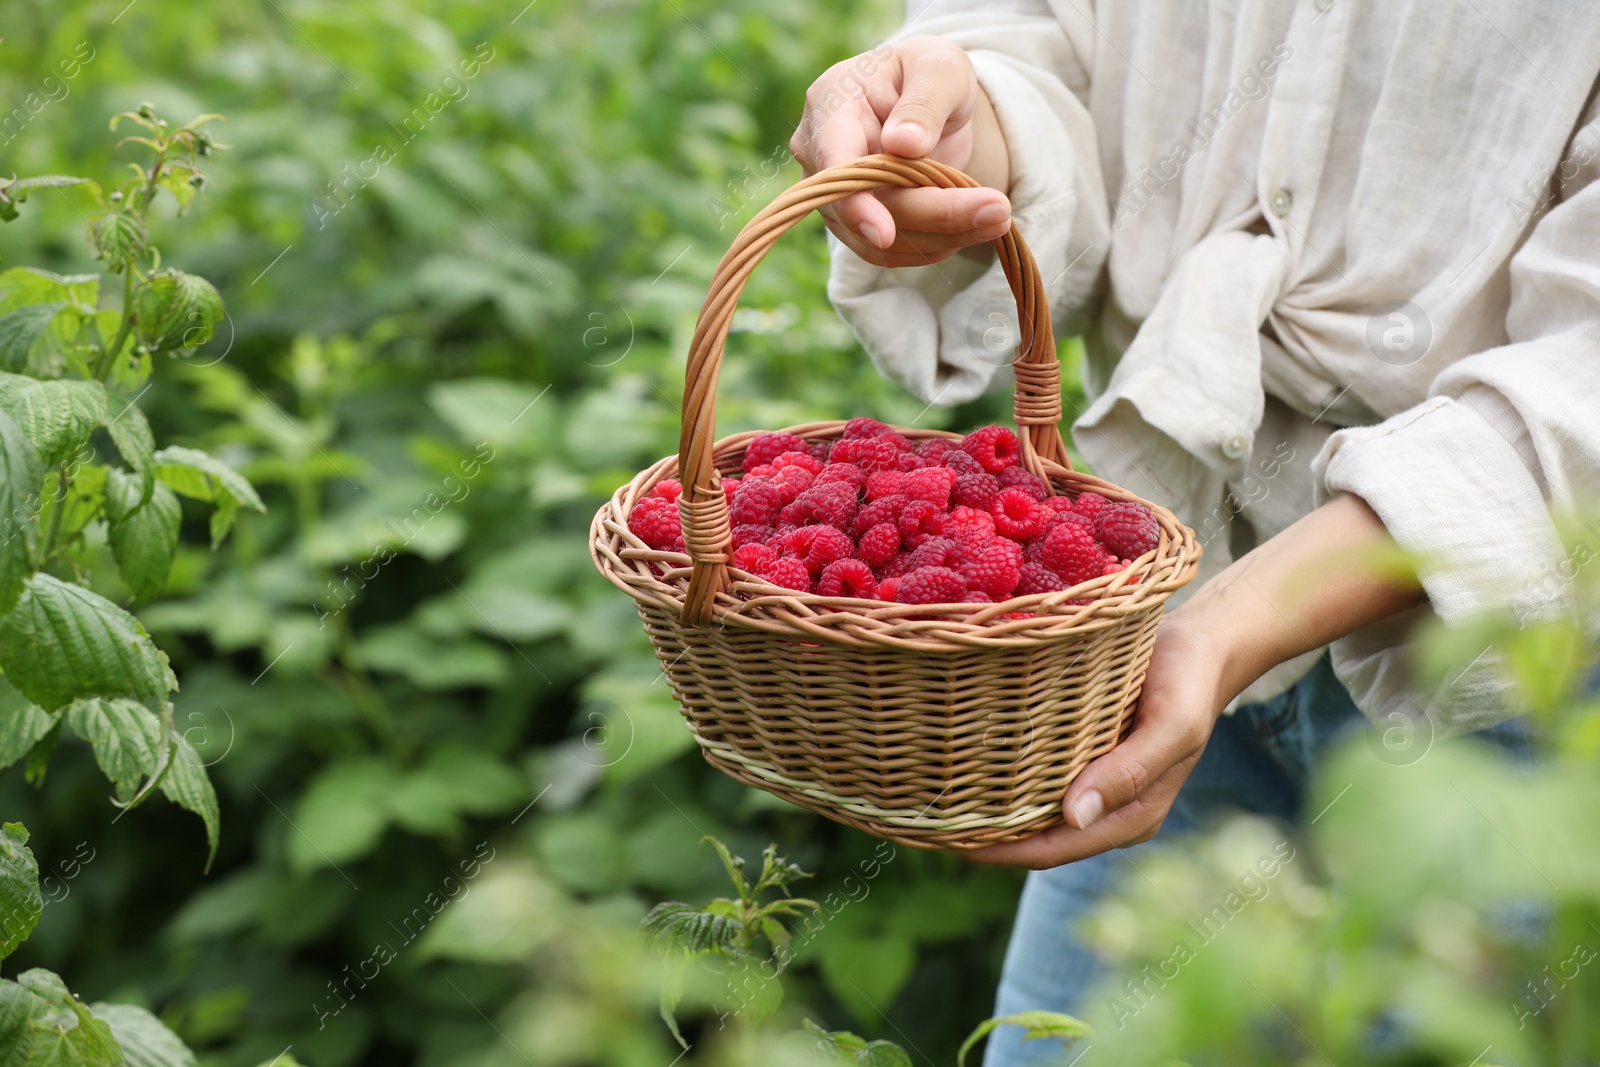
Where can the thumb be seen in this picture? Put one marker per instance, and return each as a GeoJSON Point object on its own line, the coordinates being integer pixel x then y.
{"type": "Point", "coordinates": [1163, 739]}
{"type": "Point", "coordinates": [937, 94]}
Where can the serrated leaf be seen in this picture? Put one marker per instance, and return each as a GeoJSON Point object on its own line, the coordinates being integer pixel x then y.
{"type": "Point", "coordinates": [187, 785]}
{"type": "Point", "coordinates": [118, 238]}
{"type": "Point", "coordinates": [125, 736]}
{"type": "Point", "coordinates": [144, 536]}
{"type": "Point", "coordinates": [21, 286]}
{"type": "Point", "coordinates": [21, 903]}
{"type": "Point", "coordinates": [175, 310]}
{"type": "Point", "coordinates": [200, 476]}
{"type": "Point", "coordinates": [19, 188]}
{"type": "Point", "coordinates": [57, 416]}
{"type": "Point", "coordinates": [1035, 1024]}
{"type": "Point", "coordinates": [145, 1039]}
{"type": "Point", "coordinates": [66, 1032]}
{"type": "Point", "coordinates": [62, 642]}
{"type": "Point", "coordinates": [21, 477]}
{"type": "Point", "coordinates": [130, 432]}
{"type": "Point", "coordinates": [673, 926]}
{"type": "Point", "coordinates": [20, 329]}
{"type": "Point", "coordinates": [22, 724]}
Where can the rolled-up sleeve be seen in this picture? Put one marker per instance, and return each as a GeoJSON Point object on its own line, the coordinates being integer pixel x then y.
{"type": "Point", "coordinates": [946, 330]}
{"type": "Point", "coordinates": [1472, 479]}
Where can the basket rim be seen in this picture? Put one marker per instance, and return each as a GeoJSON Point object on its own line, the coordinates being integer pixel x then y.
{"type": "Point", "coordinates": [753, 603]}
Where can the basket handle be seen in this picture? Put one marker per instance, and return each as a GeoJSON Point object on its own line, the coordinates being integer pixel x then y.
{"type": "Point", "coordinates": [703, 509]}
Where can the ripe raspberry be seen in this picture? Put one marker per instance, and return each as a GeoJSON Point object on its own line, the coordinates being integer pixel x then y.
{"type": "Point", "coordinates": [961, 462]}
{"type": "Point", "coordinates": [901, 444]}
{"type": "Point", "coordinates": [792, 481]}
{"type": "Point", "coordinates": [995, 447]}
{"type": "Point", "coordinates": [754, 558]}
{"type": "Point", "coordinates": [799, 459]}
{"type": "Point", "coordinates": [868, 453]}
{"type": "Point", "coordinates": [667, 489]}
{"type": "Point", "coordinates": [817, 546]}
{"type": "Point", "coordinates": [862, 427]}
{"type": "Point", "coordinates": [789, 573]}
{"type": "Point", "coordinates": [899, 565]}
{"type": "Point", "coordinates": [970, 526]}
{"type": "Point", "coordinates": [884, 483]}
{"type": "Point", "coordinates": [1127, 529]}
{"type": "Point", "coordinates": [757, 502]}
{"type": "Point", "coordinates": [1037, 578]}
{"type": "Point", "coordinates": [847, 577]}
{"type": "Point", "coordinates": [655, 522]}
{"type": "Point", "coordinates": [763, 470]}
{"type": "Point", "coordinates": [1071, 552]}
{"type": "Point", "coordinates": [848, 473]}
{"type": "Point", "coordinates": [932, 484]}
{"type": "Point", "coordinates": [936, 552]}
{"type": "Point", "coordinates": [1033, 551]}
{"type": "Point", "coordinates": [977, 596]}
{"type": "Point", "coordinates": [1017, 515]}
{"type": "Point", "coordinates": [995, 569]}
{"type": "Point", "coordinates": [977, 490]}
{"type": "Point", "coordinates": [1114, 565]}
{"type": "Point", "coordinates": [931, 585]}
{"type": "Point", "coordinates": [887, 589]}
{"type": "Point", "coordinates": [910, 461]}
{"type": "Point", "coordinates": [830, 503]}
{"type": "Point", "coordinates": [818, 450]}
{"type": "Point", "coordinates": [934, 447]}
{"type": "Point", "coordinates": [1089, 503]}
{"type": "Point", "coordinates": [750, 534]}
{"type": "Point", "coordinates": [879, 544]}
{"type": "Point", "coordinates": [884, 509]}
{"type": "Point", "coordinates": [920, 520]}
{"type": "Point", "coordinates": [766, 447]}
{"type": "Point", "coordinates": [1024, 479]}
{"type": "Point", "coordinates": [729, 487]}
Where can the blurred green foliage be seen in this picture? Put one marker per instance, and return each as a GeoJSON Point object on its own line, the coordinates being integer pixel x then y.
{"type": "Point", "coordinates": [461, 248]}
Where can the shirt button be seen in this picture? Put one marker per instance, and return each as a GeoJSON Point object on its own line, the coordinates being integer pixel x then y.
{"type": "Point", "coordinates": [1236, 446]}
{"type": "Point", "coordinates": [1281, 201]}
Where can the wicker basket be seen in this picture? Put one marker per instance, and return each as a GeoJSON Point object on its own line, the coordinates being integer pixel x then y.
{"type": "Point", "coordinates": [951, 726]}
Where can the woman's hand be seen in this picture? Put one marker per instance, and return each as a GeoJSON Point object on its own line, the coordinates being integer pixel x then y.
{"type": "Point", "coordinates": [1318, 580]}
{"type": "Point", "coordinates": [916, 98]}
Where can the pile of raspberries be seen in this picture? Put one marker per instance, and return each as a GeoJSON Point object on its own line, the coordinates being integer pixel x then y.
{"type": "Point", "coordinates": [941, 522]}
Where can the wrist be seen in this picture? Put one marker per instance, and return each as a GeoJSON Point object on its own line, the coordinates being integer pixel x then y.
{"type": "Point", "coordinates": [990, 164]}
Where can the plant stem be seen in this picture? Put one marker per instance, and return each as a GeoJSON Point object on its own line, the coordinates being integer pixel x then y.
{"type": "Point", "coordinates": [108, 358]}
{"type": "Point", "coordinates": [63, 484]}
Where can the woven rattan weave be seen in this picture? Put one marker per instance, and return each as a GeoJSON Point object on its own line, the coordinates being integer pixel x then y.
{"type": "Point", "coordinates": [944, 726]}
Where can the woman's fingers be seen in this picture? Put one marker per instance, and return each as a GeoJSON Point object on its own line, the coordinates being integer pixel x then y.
{"type": "Point", "coordinates": [937, 95]}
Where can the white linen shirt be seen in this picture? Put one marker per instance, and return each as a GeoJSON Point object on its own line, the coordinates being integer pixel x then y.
{"type": "Point", "coordinates": [1313, 247]}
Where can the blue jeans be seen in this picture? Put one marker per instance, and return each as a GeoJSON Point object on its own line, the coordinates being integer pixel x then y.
{"type": "Point", "coordinates": [1259, 760]}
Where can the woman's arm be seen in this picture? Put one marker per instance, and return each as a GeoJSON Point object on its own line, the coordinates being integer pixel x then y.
{"type": "Point", "coordinates": [1312, 583]}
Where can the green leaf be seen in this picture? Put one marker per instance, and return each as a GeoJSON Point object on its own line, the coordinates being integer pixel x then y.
{"type": "Point", "coordinates": [20, 329]}
{"type": "Point", "coordinates": [21, 477]}
{"type": "Point", "coordinates": [175, 310]}
{"type": "Point", "coordinates": [501, 917]}
{"type": "Point", "coordinates": [144, 536]}
{"type": "Point", "coordinates": [20, 901]}
{"type": "Point", "coordinates": [1036, 1024]}
{"type": "Point", "coordinates": [187, 785]}
{"type": "Point", "coordinates": [57, 416]}
{"type": "Point", "coordinates": [18, 188]}
{"type": "Point", "coordinates": [145, 1040]}
{"type": "Point", "coordinates": [675, 927]}
{"type": "Point", "coordinates": [22, 724]}
{"type": "Point", "coordinates": [343, 814]}
{"type": "Point", "coordinates": [866, 973]}
{"type": "Point", "coordinates": [62, 642]}
{"type": "Point", "coordinates": [130, 432]}
{"type": "Point", "coordinates": [38, 760]}
{"type": "Point", "coordinates": [65, 1032]}
{"type": "Point", "coordinates": [118, 238]}
{"type": "Point", "coordinates": [125, 736]}
{"type": "Point", "coordinates": [21, 286]}
{"type": "Point", "coordinates": [196, 475]}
